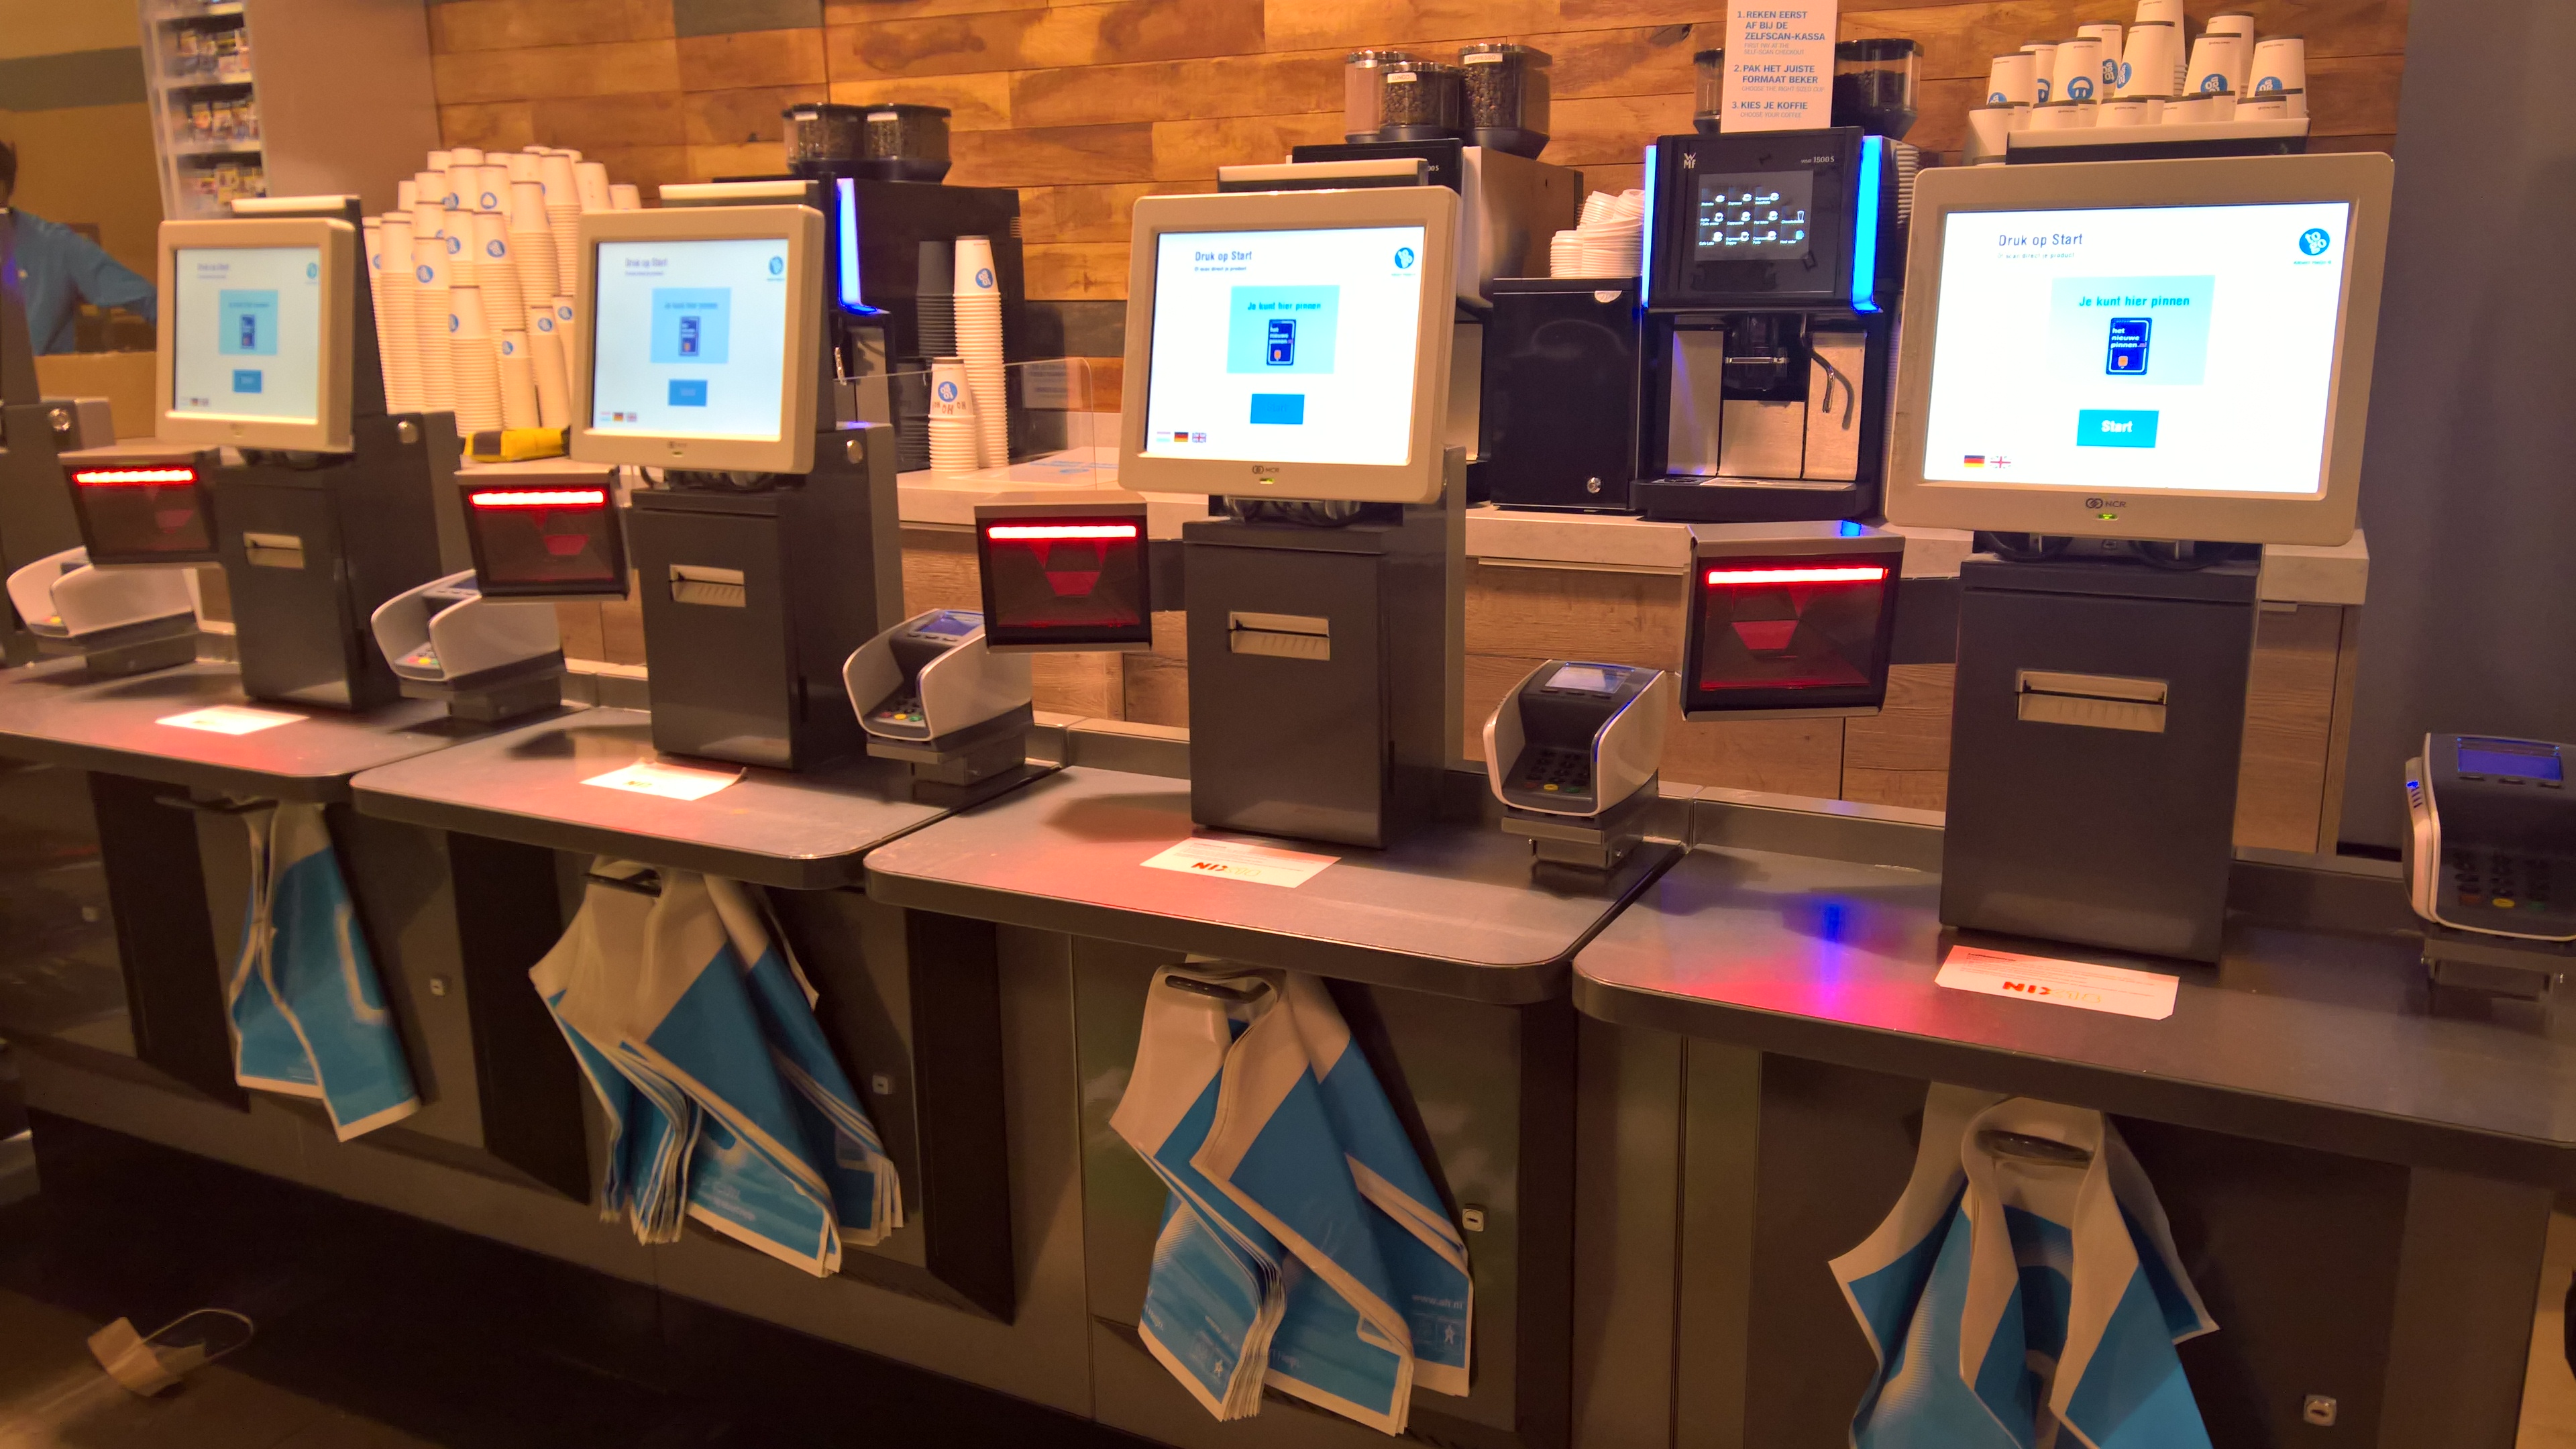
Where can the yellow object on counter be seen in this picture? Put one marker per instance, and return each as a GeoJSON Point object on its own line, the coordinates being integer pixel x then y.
{"type": "Point", "coordinates": [517, 445]}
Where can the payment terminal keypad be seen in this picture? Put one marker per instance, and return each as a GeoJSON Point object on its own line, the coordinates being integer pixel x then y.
{"type": "Point", "coordinates": [1555, 770]}
{"type": "Point", "coordinates": [901, 711]}
{"type": "Point", "coordinates": [2503, 887]}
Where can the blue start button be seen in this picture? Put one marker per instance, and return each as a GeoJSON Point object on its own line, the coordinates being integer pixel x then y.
{"type": "Point", "coordinates": [2115, 428]}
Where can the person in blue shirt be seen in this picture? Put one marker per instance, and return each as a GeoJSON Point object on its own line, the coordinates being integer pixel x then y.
{"type": "Point", "coordinates": [58, 269]}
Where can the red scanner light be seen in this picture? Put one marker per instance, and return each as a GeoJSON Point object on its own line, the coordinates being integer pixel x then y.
{"type": "Point", "coordinates": [132, 477]}
{"type": "Point", "coordinates": [1035, 532]}
{"type": "Point", "coordinates": [540, 498]}
{"type": "Point", "coordinates": [1736, 578]}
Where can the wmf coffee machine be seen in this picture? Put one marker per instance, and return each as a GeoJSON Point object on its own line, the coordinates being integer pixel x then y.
{"type": "Point", "coordinates": [1743, 376]}
{"type": "Point", "coordinates": [319, 505]}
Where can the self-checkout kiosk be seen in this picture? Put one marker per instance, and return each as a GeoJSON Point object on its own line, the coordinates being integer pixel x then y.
{"type": "Point", "coordinates": [36, 520]}
{"type": "Point", "coordinates": [2193, 342]}
{"type": "Point", "coordinates": [116, 621]}
{"type": "Point", "coordinates": [932, 693]}
{"type": "Point", "coordinates": [488, 659]}
{"type": "Point", "coordinates": [1575, 754]}
{"type": "Point", "coordinates": [1293, 351]}
{"type": "Point", "coordinates": [274, 453]}
{"type": "Point", "coordinates": [764, 540]}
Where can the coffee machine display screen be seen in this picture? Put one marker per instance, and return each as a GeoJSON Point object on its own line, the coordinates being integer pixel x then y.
{"type": "Point", "coordinates": [1756, 216]}
{"type": "Point", "coordinates": [2184, 348]}
{"type": "Point", "coordinates": [1285, 346]}
{"type": "Point", "coordinates": [247, 337]}
{"type": "Point", "coordinates": [690, 339]}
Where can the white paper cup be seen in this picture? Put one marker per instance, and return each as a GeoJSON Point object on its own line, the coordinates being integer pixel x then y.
{"type": "Point", "coordinates": [2078, 70]}
{"type": "Point", "coordinates": [952, 395]}
{"type": "Point", "coordinates": [2264, 106]}
{"type": "Point", "coordinates": [460, 185]}
{"type": "Point", "coordinates": [464, 156]}
{"type": "Point", "coordinates": [528, 206]}
{"type": "Point", "coordinates": [406, 191]}
{"type": "Point", "coordinates": [431, 264]}
{"type": "Point", "coordinates": [1988, 128]}
{"type": "Point", "coordinates": [624, 196]}
{"type": "Point", "coordinates": [522, 166]}
{"type": "Point", "coordinates": [519, 408]}
{"type": "Point", "coordinates": [553, 374]}
{"type": "Point", "coordinates": [2148, 59]}
{"type": "Point", "coordinates": [2240, 25]}
{"type": "Point", "coordinates": [496, 270]}
{"type": "Point", "coordinates": [2107, 32]}
{"type": "Point", "coordinates": [975, 272]}
{"type": "Point", "coordinates": [2280, 64]}
{"type": "Point", "coordinates": [2188, 110]}
{"type": "Point", "coordinates": [2213, 63]}
{"type": "Point", "coordinates": [465, 315]}
{"type": "Point", "coordinates": [554, 173]}
{"type": "Point", "coordinates": [2009, 81]}
{"type": "Point", "coordinates": [590, 181]}
{"type": "Point", "coordinates": [2129, 112]}
{"type": "Point", "coordinates": [2043, 57]}
{"type": "Point", "coordinates": [2053, 116]}
{"type": "Point", "coordinates": [438, 160]}
{"type": "Point", "coordinates": [2167, 11]}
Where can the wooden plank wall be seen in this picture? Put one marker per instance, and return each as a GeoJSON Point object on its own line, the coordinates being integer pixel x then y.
{"type": "Point", "coordinates": [1087, 106]}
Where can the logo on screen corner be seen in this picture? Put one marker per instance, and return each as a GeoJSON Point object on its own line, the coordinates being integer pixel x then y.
{"type": "Point", "coordinates": [2106, 502]}
{"type": "Point", "coordinates": [312, 270]}
{"type": "Point", "coordinates": [1404, 259]}
{"type": "Point", "coordinates": [2314, 241]}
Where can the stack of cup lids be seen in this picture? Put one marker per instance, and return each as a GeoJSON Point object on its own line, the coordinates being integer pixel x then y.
{"type": "Point", "coordinates": [1612, 234]}
{"type": "Point", "coordinates": [478, 371]}
{"type": "Point", "coordinates": [979, 348]}
{"type": "Point", "coordinates": [552, 372]}
{"type": "Point", "coordinates": [432, 275]}
{"type": "Point", "coordinates": [518, 382]}
{"type": "Point", "coordinates": [955, 439]}
{"type": "Point", "coordinates": [532, 248]}
{"type": "Point", "coordinates": [563, 213]}
{"type": "Point", "coordinates": [1565, 254]}
{"type": "Point", "coordinates": [495, 270]}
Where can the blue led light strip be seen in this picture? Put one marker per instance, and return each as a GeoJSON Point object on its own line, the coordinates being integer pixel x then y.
{"type": "Point", "coordinates": [1646, 245]}
{"type": "Point", "coordinates": [1864, 288]}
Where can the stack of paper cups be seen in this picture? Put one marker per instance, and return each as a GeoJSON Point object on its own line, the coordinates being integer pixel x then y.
{"type": "Point", "coordinates": [438, 162]}
{"type": "Point", "coordinates": [406, 191]}
{"type": "Point", "coordinates": [2150, 59]}
{"type": "Point", "coordinates": [522, 165]}
{"type": "Point", "coordinates": [2043, 60]}
{"type": "Point", "coordinates": [2214, 60]}
{"type": "Point", "coordinates": [2165, 12]}
{"type": "Point", "coordinates": [954, 432]}
{"type": "Point", "coordinates": [1565, 253]}
{"type": "Point", "coordinates": [979, 346]}
{"type": "Point", "coordinates": [563, 215]}
{"type": "Point", "coordinates": [429, 186]}
{"type": "Point", "coordinates": [532, 247]}
{"type": "Point", "coordinates": [478, 366]}
{"type": "Point", "coordinates": [491, 188]}
{"type": "Point", "coordinates": [495, 271]}
{"type": "Point", "coordinates": [590, 185]}
{"type": "Point", "coordinates": [463, 180]}
{"type": "Point", "coordinates": [2240, 25]}
{"type": "Point", "coordinates": [458, 228]}
{"type": "Point", "coordinates": [2010, 82]}
{"type": "Point", "coordinates": [553, 376]}
{"type": "Point", "coordinates": [519, 408]}
{"type": "Point", "coordinates": [433, 276]}
{"type": "Point", "coordinates": [371, 234]}
{"type": "Point", "coordinates": [625, 197]}
{"type": "Point", "coordinates": [567, 331]}
{"type": "Point", "coordinates": [397, 330]}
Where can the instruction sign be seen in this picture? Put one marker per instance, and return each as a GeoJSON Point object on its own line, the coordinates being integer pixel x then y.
{"type": "Point", "coordinates": [1239, 860]}
{"type": "Point", "coordinates": [1779, 66]}
{"type": "Point", "coordinates": [2080, 984]}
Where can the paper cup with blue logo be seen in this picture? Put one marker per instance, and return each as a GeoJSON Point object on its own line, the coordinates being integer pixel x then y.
{"type": "Point", "coordinates": [2043, 60]}
{"type": "Point", "coordinates": [2214, 61]}
{"type": "Point", "coordinates": [950, 394]}
{"type": "Point", "coordinates": [975, 274]}
{"type": "Point", "coordinates": [2010, 80]}
{"type": "Point", "coordinates": [2078, 70]}
{"type": "Point", "coordinates": [2149, 57]}
{"type": "Point", "coordinates": [2280, 64]}
{"type": "Point", "coordinates": [2107, 32]}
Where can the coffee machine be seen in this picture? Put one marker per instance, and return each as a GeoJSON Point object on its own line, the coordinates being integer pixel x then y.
{"type": "Point", "coordinates": [1773, 266]}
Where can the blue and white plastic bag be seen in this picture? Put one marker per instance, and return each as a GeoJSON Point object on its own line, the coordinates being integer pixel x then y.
{"type": "Point", "coordinates": [696, 1030]}
{"type": "Point", "coordinates": [2019, 1302]}
{"type": "Point", "coordinates": [308, 1010]}
{"type": "Point", "coordinates": [1304, 1246]}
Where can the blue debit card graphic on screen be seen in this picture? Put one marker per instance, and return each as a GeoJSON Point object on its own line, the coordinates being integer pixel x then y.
{"type": "Point", "coordinates": [2154, 330]}
{"type": "Point", "coordinates": [1282, 329]}
{"type": "Point", "coordinates": [691, 325]}
{"type": "Point", "coordinates": [248, 325]}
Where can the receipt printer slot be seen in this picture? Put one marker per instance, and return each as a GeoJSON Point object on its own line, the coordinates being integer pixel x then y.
{"type": "Point", "coordinates": [1282, 636]}
{"type": "Point", "coordinates": [700, 584]}
{"type": "Point", "coordinates": [2092, 701]}
{"type": "Point", "coordinates": [273, 550]}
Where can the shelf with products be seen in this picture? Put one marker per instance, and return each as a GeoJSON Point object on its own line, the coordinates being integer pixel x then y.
{"type": "Point", "coordinates": [183, 14]}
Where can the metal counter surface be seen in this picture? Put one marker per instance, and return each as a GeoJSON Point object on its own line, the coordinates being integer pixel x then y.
{"type": "Point", "coordinates": [1452, 909]}
{"type": "Point", "coordinates": [771, 827]}
{"type": "Point", "coordinates": [54, 713]}
{"type": "Point", "coordinates": [2315, 1037]}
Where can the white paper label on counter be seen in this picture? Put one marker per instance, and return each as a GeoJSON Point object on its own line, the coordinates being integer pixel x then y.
{"type": "Point", "coordinates": [230, 719]}
{"type": "Point", "coordinates": [1779, 66]}
{"type": "Point", "coordinates": [671, 782]}
{"type": "Point", "coordinates": [2081, 984]}
{"type": "Point", "coordinates": [1259, 864]}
